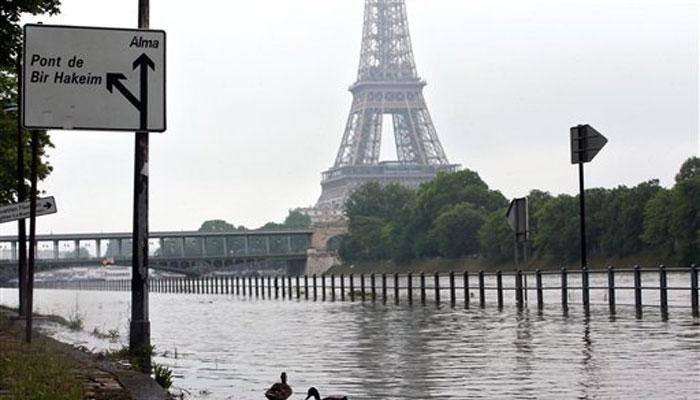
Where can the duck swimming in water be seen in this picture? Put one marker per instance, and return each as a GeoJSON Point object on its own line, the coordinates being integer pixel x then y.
{"type": "Point", "coordinates": [313, 392]}
{"type": "Point", "coordinates": [280, 390]}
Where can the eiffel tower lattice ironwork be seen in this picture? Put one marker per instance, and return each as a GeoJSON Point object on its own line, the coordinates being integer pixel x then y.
{"type": "Point", "coordinates": [387, 84]}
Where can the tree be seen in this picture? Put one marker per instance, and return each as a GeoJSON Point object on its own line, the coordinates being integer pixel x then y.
{"type": "Point", "coordinates": [8, 144]}
{"type": "Point", "coordinates": [558, 231]}
{"type": "Point", "coordinates": [689, 169]}
{"type": "Point", "coordinates": [456, 230]}
{"type": "Point", "coordinates": [684, 223]}
{"type": "Point", "coordinates": [496, 238]}
{"type": "Point", "coordinates": [10, 40]}
{"type": "Point", "coordinates": [10, 30]}
{"type": "Point", "coordinates": [657, 216]}
{"type": "Point", "coordinates": [218, 225]}
{"type": "Point", "coordinates": [297, 220]}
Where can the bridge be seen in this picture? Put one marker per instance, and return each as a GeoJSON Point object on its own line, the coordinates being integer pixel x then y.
{"type": "Point", "coordinates": [173, 251]}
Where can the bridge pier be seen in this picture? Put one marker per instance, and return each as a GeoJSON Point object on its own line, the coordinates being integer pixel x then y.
{"type": "Point", "coordinates": [98, 246]}
{"type": "Point", "coordinates": [56, 250]}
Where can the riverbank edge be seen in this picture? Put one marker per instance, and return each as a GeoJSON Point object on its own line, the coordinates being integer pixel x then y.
{"type": "Point", "coordinates": [136, 385]}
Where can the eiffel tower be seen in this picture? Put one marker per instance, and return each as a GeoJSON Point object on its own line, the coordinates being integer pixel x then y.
{"type": "Point", "coordinates": [387, 84]}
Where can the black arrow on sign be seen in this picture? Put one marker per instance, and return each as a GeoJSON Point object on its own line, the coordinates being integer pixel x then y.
{"type": "Point", "coordinates": [114, 81]}
{"type": "Point", "coordinates": [47, 206]}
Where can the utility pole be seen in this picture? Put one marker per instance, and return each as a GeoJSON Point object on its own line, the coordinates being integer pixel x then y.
{"type": "Point", "coordinates": [21, 196]}
{"type": "Point", "coordinates": [140, 329]}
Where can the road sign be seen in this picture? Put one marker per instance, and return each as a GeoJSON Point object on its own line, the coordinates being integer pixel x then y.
{"type": "Point", "coordinates": [93, 78]}
{"type": "Point", "coordinates": [586, 142]}
{"type": "Point", "coordinates": [519, 219]}
{"type": "Point", "coordinates": [13, 212]}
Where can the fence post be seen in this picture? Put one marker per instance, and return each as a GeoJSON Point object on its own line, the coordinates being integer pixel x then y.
{"type": "Point", "coordinates": [250, 286]}
{"type": "Point", "coordinates": [384, 288]}
{"type": "Point", "coordinates": [289, 286]}
{"type": "Point", "coordinates": [453, 299]}
{"type": "Point", "coordinates": [342, 287]}
{"type": "Point", "coordinates": [499, 288]}
{"type": "Point", "coordinates": [238, 287]}
{"type": "Point", "coordinates": [482, 290]}
{"type": "Point", "coordinates": [352, 287]}
{"type": "Point", "coordinates": [323, 287]}
{"type": "Point", "coordinates": [315, 287]}
{"type": "Point", "coordinates": [519, 289]}
{"type": "Point", "coordinates": [564, 291]}
{"type": "Point", "coordinates": [306, 287]}
{"type": "Point", "coordinates": [262, 279]}
{"type": "Point", "coordinates": [362, 286]}
{"type": "Point", "coordinates": [437, 289]}
{"type": "Point", "coordinates": [540, 294]}
{"type": "Point", "coordinates": [422, 288]}
{"type": "Point", "coordinates": [638, 291]}
{"type": "Point", "coordinates": [465, 284]}
{"type": "Point", "coordinates": [663, 292]}
{"type": "Point", "coordinates": [396, 288]}
{"type": "Point", "coordinates": [694, 304]}
{"type": "Point", "coordinates": [277, 289]}
{"type": "Point", "coordinates": [332, 287]}
{"type": "Point", "coordinates": [409, 286]}
{"type": "Point", "coordinates": [611, 290]}
{"type": "Point", "coordinates": [284, 291]}
{"type": "Point", "coordinates": [298, 289]}
{"type": "Point", "coordinates": [256, 286]}
{"type": "Point", "coordinates": [374, 287]}
{"type": "Point", "coordinates": [585, 289]}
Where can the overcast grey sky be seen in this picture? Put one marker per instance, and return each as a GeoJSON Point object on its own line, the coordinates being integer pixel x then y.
{"type": "Point", "coordinates": [257, 101]}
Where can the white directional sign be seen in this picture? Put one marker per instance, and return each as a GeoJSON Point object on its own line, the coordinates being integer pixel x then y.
{"type": "Point", "coordinates": [93, 78]}
{"type": "Point", "coordinates": [13, 212]}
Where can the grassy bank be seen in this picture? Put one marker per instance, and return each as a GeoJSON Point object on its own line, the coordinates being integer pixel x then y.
{"type": "Point", "coordinates": [51, 370]}
{"type": "Point", "coordinates": [478, 264]}
{"type": "Point", "coordinates": [37, 371]}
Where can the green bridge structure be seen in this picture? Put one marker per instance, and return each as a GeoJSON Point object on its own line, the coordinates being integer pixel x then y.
{"type": "Point", "coordinates": [190, 253]}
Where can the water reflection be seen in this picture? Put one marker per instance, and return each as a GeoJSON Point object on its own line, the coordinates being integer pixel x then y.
{"type": "Point", "coordinates": [229, 347]}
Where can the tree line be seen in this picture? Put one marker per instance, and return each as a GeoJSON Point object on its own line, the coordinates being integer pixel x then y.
{"type": "Point", "coordinates": [457, 215]}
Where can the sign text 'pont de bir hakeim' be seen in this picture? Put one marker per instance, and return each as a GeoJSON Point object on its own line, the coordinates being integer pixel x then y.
{"type": "Point", "coordinates": [93, 78]}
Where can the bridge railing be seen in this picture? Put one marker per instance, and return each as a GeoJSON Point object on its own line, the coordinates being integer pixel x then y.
{"type": "Point", "coordinates": [638, 288]}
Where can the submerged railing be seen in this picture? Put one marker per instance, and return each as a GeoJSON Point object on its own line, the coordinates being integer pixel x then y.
{"type": "Point", "coordinates": [667, 286]}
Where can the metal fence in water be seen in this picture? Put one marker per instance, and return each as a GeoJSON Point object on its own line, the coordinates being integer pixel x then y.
{"type": "Point", "coordinates": [639, 287]}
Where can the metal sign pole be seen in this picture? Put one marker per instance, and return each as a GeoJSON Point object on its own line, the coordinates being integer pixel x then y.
{"type": "Point", "coordinates": [140, 329]}
{"type": "Point", "coordinates": [32, 235]}
{"type": "Point", "coordinates": [21, 196]}
{"type": "Point", "coordinates": [582, 204]}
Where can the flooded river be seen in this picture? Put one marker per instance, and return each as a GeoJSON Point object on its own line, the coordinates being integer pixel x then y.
{"type": "Point", "coordinates": [230, 347]}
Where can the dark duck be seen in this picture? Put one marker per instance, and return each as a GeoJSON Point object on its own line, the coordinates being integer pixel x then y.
{"type": "Point", "coordinates": [313, 392]}
{"type": "Point", "coordinates": [280, 390]}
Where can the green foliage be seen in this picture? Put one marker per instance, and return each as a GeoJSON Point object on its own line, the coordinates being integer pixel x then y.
{"type": "Point", "coordinates": [456, 230]}
{"type": "Point", "coordinates": [37, 372]}
{"type": "Point", "coordinates": [457, 214]}
{"type": "Point", "coordinates": [690, 169]}
{"type": "Point", "coordinates": [496, 239]}
{"type": "Point", "coordinates": [297, 220]}
{"type": "Point", "coordinates": [10, 29]}
{"type": "Point", "coordinates": [162, 375]}
{"type": "Point", "coordinates": [219, 225]}
{"type": "Point", "coordinates": [10, 37]}
{"type": "Point", "coordinates": [558, 234]}
{"type": "Point", "coordinates": [76, 320]}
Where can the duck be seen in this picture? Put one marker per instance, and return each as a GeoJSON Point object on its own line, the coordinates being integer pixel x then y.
{"type": "Point", "coordinates": [313, 392]}
{"type": "Point", "coordinates": [280, 390]}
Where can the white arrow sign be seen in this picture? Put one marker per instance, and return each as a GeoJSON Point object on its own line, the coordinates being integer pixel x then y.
{"type": "Point", "coordinates": [14, 212]}
{"type": "Point", "coordinates": [93, 78]}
